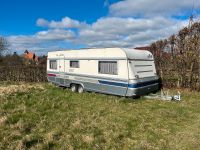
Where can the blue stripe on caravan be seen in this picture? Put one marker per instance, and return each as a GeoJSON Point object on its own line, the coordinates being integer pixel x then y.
{"type": "Point", "coordinates": [113, 83]}
{"type": "Point", "coordinates": [135, 85]}
{"type": "Point", "coordinates": [142, 84]}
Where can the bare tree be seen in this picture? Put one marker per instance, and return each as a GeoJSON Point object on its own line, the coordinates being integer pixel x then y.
{"type": "Point", "coordinates": [3, 45]}
{"type": "Point", "coordinates": [180, 66]}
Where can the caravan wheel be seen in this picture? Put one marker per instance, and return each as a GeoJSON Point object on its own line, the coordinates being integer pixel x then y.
{"type": "Point", "coordinates": [73, 88]}
{"type": "Point", "coordinates": [80, 89]}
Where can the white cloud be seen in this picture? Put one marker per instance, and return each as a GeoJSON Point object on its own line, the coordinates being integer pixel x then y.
{"type": "Point", "coordinates": [42, 41]}
{"type": "Point", "coordinates": [105, 32]}
{"type": "Point", "coordinates": [121, 28]}
{"type": "Point", "coordinates": [126, 26]}
{"type": "Point", "coordinates": [128, 32]}
{"type": "Point", "coordinates": [66, 22]}
{"type": "Point", "coordinates": [42, 22]}
{"type": "Point", "coordinates": [55, 34]}
{"type": "Point", "coordinates": [149, 8]}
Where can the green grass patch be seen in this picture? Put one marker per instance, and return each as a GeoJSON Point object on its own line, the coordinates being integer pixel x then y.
{"type": "Point", "coordinates": [56, 118]}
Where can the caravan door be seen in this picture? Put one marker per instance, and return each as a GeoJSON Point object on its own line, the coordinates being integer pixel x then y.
{"type": "Point", "coordinates": [62, 69]}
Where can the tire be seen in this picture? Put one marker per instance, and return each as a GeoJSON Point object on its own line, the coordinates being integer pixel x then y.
{"type": "Point", "coordinates": [136, 97]}
{"type": "Point", "coordinates": [80, 89]}
{"type": "Point", "coordinates": [154, 92]}
{"type": "Point", "coordinates": [73, 88]}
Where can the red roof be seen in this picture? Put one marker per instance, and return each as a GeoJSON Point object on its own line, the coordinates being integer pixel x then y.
{"type": "Point", "coordinates": [143, 48]}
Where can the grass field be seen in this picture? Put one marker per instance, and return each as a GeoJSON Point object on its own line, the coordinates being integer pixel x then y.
{"type": "Point", "coordinates": [41, 116]}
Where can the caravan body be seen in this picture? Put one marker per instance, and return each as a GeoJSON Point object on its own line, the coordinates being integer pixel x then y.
{"type": "Point", "coordinates": [117, 71]}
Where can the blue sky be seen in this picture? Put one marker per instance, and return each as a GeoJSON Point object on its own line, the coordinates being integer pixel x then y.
{"type": "Point", "coordinates": [19, 16]}
{"type": "Point", "coordinates": [42, 26]}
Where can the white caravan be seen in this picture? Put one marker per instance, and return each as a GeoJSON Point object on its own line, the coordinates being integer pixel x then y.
{"type": "Point", "coordinates": [117, 71]}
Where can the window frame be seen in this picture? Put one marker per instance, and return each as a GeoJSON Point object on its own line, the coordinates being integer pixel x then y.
{"type": "Point", "coordinates": [53, 66]}
{"type": "Point", "coordinates": [71, 66]}
{"type": "Point", "coordinates": [109, 72]}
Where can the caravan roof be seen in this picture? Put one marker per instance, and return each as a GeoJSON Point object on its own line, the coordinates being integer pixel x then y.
{"type": "Point", "coordinates": [108, 53]}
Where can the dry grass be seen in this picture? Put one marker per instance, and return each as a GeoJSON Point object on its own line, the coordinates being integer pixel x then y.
{"type": "Point", "coordinates": [47, 117]}
{"type": "Point", "coordinates": [18, 87]}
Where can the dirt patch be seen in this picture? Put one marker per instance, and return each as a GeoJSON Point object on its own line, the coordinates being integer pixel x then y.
{"type": "Point", "coordinates": [3, 120]}
{"type": "Point", "coordinates": [22, 87]}
{"type": "Point", "coordinates": [87, 139]}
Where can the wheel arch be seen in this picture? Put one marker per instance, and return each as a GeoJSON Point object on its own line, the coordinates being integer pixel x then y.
{"type": "Point", "coordinates": [77, 83]}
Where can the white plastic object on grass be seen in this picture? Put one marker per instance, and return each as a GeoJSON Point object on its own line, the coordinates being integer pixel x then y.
{"type": "Point", "coordinates": [177, 97]}
{"type": "Point", "coordinates": [165, 97]}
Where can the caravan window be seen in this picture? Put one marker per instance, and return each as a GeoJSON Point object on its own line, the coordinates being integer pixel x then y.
{"type": "Point", "coordinates": [53, 64]}
{"type": "Point", "coordinates": [74, 64]}
{"type": "Point", "coordinates": [108, 67]}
